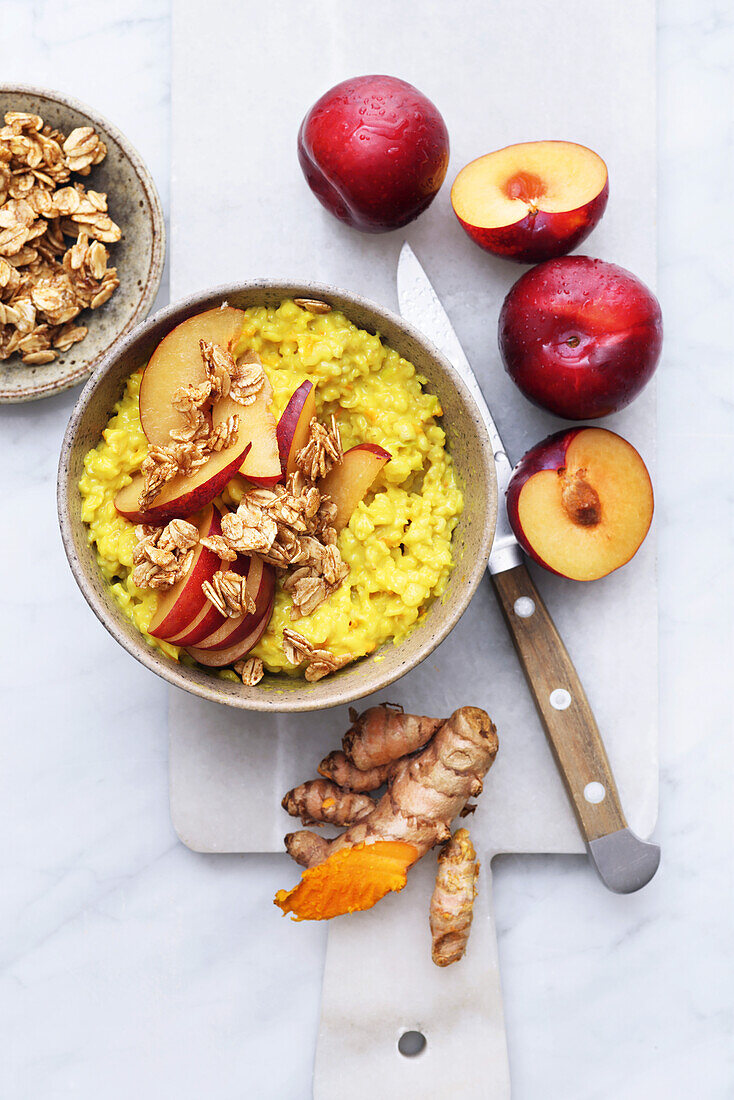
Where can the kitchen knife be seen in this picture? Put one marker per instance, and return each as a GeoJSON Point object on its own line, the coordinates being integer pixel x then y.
{"type": "Point", "coordinates": [625, 862]}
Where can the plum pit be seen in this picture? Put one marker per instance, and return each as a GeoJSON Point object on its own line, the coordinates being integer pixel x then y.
{"type": "Point", "coordinates": [527, 187]}
{"type": "Point", "coordinates": [580, 499]}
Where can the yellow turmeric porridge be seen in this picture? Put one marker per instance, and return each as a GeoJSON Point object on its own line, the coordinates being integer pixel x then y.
{"type": "Point", "coordinates": [397, 541]}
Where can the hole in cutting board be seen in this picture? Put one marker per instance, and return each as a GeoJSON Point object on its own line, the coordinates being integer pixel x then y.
{"type": "Point", "coordinates": [412, 1043]}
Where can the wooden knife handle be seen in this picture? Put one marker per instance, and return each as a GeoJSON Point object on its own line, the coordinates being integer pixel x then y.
{"type": "Point", "coordinates": [562, 705]}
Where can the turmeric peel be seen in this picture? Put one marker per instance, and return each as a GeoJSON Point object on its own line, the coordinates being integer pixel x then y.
{"type": "Point", "coordinates": [349, 880]}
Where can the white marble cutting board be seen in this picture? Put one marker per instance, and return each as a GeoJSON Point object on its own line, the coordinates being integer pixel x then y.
{"type": "Point", "coordinates": [240, 209]}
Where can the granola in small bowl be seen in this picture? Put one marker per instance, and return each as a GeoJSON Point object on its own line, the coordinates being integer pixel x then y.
{"type": "Point", "coordinates": [80, 229]}
{"type": "Point", "coordinates": [53, 262]}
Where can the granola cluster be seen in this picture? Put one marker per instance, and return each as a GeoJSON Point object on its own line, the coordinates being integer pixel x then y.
{"type": "Point", "coordinates": [227, 590]}
{"type": "Point", "coordinates": [290, 526]}
{"type": "Point", "coordinates": [163, 554]}
{"type": "Point", "coordinates": [250, 670]}
{"type": "Point", "coordinates": [319, 662]}
{"type": "Point", "coordinates": [162, 464]}
{"type": "Point", "coordinates": [241, 379]}
{"type": "Point", "coordinates": [45, 282]}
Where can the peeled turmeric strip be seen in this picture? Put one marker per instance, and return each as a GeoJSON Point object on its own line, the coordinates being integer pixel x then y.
{"type": "Point", "coordinates": [424, 796]}
{"type": "Point", "coordinates": [321, 801]}
{"type": "Point", "coordinates": [452, 903]}
{"type": "Point", "coordinates": [348, 881]}
{"type": "Point", "coordinates": [335, 766]}
{"type": "Point", "coordinates": [382, 734]}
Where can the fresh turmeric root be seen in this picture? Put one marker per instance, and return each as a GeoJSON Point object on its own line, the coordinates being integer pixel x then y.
{"type": "Point", "coordinates": [383, 734]}
{"type": "Point", "coordinates": [372, 857]}
{"type": "Point", "coordinates": [336, 767]}
{"type": "Point", "coordinates": [307, 848]}
{"type": "Point", "coordinates": [452, 903]}
{"type": "Point", "coordinates": [321, 801]}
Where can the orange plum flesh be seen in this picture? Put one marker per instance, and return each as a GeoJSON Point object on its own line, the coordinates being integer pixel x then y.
{"type": "Point", "coordinates": [350, 479]}
{"type": "Point", "coordinates": [581, 503]}
{"type": "Point", "coordinates": [532, 201]}
{"type": "Point", "coordinates": [176, 362]}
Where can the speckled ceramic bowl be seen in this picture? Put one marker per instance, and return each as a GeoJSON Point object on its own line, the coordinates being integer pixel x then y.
{"type": "Point", "coordinates": [138, 257]}
{"type": "Point", "coordinates": [468, 443]}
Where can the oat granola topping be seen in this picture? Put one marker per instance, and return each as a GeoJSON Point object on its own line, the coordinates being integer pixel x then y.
{"type": "Point", "coordinates": [219, 546]}
{"type": "Point", "coordinates": [323, 449]}
{"type": "Point", "coordinates": [247, 379]}
{"type": "Point", "coordinates": [228, 592]}
{"type": "Point", "coordinates": [163, 555]}
{"type": "Point", "coordinates": [290, 527]}
{"type": "Point", "coordinates": [313, 305]}
{"type": "Point", "coordinates": [320, 662]}
{"type": "Point", "coordinates": [241, 379]}
{"type": "Point", "coordinates": [250, 670]}
{"type": "Point", "coordinates": [162, 464]}
{"type": "Point", "coordinates": [44, 281]}
{"type": "Point", "coordinates": [219, 365]}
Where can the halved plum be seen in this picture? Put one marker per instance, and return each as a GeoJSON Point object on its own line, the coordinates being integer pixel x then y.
{"type": "Point", "coordinates": [581, 502]}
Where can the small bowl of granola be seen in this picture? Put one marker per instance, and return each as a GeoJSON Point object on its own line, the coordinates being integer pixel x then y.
{"type": "Point", "coordinates": [82, 241]}
{"type": "Point", "coordinates": [279, 497]}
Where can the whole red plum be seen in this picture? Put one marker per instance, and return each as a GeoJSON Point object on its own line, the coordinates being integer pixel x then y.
{"type": "Point", "coordinates": [374, 151]}
{"type": "Point", "coordinates": [580, 337]}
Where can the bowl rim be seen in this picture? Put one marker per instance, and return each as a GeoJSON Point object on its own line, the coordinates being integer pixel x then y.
{"type": "Point", "coordinates": [157, 255]}
{"type": "Point", "coordinates": [172, 671]}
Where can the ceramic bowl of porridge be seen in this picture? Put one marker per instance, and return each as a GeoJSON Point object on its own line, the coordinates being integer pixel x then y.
{"type": "Point", "coordinates": [277, 497]}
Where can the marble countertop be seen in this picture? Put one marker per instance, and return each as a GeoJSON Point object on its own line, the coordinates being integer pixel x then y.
{"type": "Point", "coordinates": [132, 966]}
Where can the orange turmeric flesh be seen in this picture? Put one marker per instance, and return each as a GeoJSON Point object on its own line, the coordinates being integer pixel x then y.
{"type": "Point", "coordinates": [349, 880]}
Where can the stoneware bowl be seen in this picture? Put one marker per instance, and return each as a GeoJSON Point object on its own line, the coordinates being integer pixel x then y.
{"type": "Point", "coordinates": [138, 256]}
{"type": "Point", "coordinates": [468, 443]}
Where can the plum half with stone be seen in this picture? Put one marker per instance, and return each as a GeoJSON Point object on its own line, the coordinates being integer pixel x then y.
{"type": "Point", "coordinates": [581, 502]}
{"type": "Point", "coordinates": [533, 201]}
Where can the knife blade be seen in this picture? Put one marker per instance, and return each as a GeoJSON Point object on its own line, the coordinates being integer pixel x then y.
{"type": "Point", "coordinates": [419, 303]}
{"type": "Point", "coordinates": [625, 862]}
